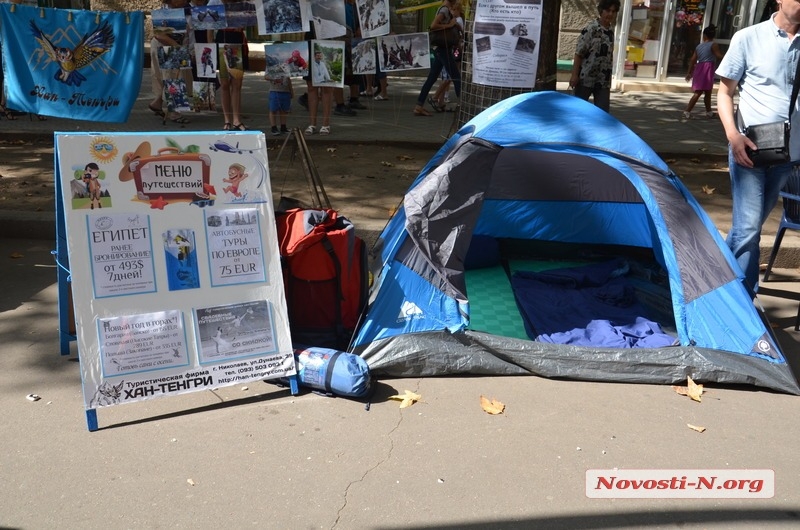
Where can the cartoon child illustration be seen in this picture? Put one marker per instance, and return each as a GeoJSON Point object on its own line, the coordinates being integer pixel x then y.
{"type": "Point", "coordinates": [235, 177]}
{"type": "Point", "coordinates": [90, 174]}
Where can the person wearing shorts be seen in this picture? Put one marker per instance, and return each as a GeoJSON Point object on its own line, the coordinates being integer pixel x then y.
{"type": "Point", "coordinates": [232, 63]}
{"type": "Point", "coordinates": [280, 101]}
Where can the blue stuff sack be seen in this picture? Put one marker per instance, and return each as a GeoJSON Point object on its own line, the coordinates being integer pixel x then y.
{"type": "Point", "coordinates": [332, 371]}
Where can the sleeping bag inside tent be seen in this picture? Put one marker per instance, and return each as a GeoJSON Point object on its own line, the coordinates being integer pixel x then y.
{"type": "Point", "coordinates": [528, 245]}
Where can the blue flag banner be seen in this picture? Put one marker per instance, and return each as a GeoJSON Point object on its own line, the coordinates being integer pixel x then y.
{"type": "Point", "coordinates": [66, 63]}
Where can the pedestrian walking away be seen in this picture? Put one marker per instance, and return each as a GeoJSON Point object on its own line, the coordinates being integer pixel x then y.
{"type": "Point", "coordinates": [701, 71]}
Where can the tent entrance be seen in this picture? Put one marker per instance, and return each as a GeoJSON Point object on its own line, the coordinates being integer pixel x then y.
{"type": "Point", "coordinates": [499, 306]}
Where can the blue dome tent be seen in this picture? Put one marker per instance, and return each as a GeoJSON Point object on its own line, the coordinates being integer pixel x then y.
{"type": "Point", "coordinates": [534, 190]}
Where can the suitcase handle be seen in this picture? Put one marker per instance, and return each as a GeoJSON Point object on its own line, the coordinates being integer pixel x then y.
{"type": "Point", "coordinates": [165, 150]}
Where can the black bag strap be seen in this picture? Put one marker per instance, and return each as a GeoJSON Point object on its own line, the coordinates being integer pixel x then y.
{"type": "Point", "coordinates": [792, 99]}
{"type": "Point", "coordinates": [329, 372]}
{"type": "Point", "coordinates": [795, 90]}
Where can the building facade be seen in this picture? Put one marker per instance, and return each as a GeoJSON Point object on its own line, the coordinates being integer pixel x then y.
{"type": "Point", "coordinates": [656, 38]}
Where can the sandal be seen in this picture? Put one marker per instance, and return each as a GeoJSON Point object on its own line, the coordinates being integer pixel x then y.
{"type": "Point", "coordinates": [420, 111]}
{"type": "Point", "coordinates": [324, 130]}
{"type": "Point", "coordinates": [158, 112]}
{"type": "Point", "coordinates": [7, 114]}
{"type": "Point", "coordinates": [179, 119]}
{"type": "Point", "coordinates": [239, 127]}
{"type": "Point", "coordinates": [435, 104]}
{"type": "Point", "coordinates": [380, 98]}
{"type": "Point", "coordinates": [227, 127]}
{"type": "Point", "coordinates": [310, 130]}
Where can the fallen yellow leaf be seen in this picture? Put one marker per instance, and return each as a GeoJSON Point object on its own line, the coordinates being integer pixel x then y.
{"type": "Point", "coordinates": [695, 390]}
{"type": "Point", "coordinates": [692, 389]}
{"type": "Point", "coordinates": [492, 406]}
{"type": "Point", "coordinates": [16, 255]}
{"type": "Point", "coordinates": [695, 160]}
{"type": "Point", "coordinates": [405, 157]}
{"type": "Point", "coordinates": [387, 164]}
{"type": "Point", "coordinates": [708, 190]}
{"type": "Point", "coordinates": [331, 149]}
{"type": "Point", "coordinates": [696, 427]}
{"type": "Point", "coordinates": [407, 399]}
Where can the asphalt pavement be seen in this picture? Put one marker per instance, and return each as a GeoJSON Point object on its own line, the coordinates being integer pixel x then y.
{"type": "Point", "coordinates": [254, 455]}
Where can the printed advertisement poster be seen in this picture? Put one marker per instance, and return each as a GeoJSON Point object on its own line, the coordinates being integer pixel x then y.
{"type": "Point", "coordinates": [121, 251]}
{"type": "Point", "coordinates": [234, 331]}
{"type": "Point", "coordinates": [174, 262]}
{"type": "Point", "coordinates": [138, 343]}
{"type": "Point", "coordinates": [234, 247]}
{"type": "Point", "coordinates": [505, 45]}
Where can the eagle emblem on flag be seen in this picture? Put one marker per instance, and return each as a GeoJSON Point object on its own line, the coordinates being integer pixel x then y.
{"type": "Point", "coordinates": [71, 60]}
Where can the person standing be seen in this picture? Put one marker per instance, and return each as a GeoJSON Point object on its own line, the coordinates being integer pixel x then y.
{"type": "Point", "coordinates": [701, 71]}
{"type": "Point", "coordinates": [593, 61]}
{"type": "Point", "coordinates": [318, 91]}
{"type": "Point", "coordinates": [442, 58]}
{"type": "Point", "coordinates": [280, 101]}
{"type": "Point", "coordinates": [177, 41]}
{"type": "Point", "coordinates": [761, 62]}
{"type": "Point", "coordinates": [233, 62]}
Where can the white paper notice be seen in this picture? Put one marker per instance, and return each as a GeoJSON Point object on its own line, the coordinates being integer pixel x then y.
{"type": "Point", "coordinates": [235, 330]}
{"type": "Point", "coordinates": [145, 342]}
{"type": "Point", "coordinates": [121, 249]}
{"type": "Point", "coordinates": [234, 247]}
{"type": "Point", "coordinates": [506, 34]}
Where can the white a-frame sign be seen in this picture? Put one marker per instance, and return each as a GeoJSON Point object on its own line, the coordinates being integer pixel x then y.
{"type": "Point", "coordinates": [174, 263]}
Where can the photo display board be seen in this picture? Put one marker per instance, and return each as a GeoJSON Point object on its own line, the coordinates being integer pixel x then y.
{"type": "Point", "coordinates": [174, 263]}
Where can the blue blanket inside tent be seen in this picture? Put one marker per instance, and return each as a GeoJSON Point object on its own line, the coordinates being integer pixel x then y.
{"type": "Point", "coordinates": [592, 305]}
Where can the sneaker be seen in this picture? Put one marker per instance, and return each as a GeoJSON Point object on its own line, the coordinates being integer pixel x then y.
{"type": "Point", "coordinates": [275, 131]}
{"type": "Point", "coordinates": [355, 104]}
{"type": "Point", "coordinates": [342, 110]}
{"type": "Point", "coordinates": [324, 130]}
{"type": "Point", "coordinates": [710, 114]}
{"type": "Point", "coordinates": [381, 98]}
{"type": "Point", "coordinates": [303, 101]}
{"type": "Point", "coordinates": [284, 129]}
{"type": "Point", "coordinates": [687, 115]}
{"type": "Point", "coordinates": [310, 130]}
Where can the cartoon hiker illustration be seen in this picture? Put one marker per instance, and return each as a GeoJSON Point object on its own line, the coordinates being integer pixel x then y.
{"type": "Point", "coordinates": [90, 178]}
{"type": "Point", "coordinates": [235, 177]}
{"type": "Point", "coordinates": [70, 60]}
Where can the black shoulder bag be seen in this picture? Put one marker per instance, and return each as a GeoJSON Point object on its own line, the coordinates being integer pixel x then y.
{"type": "Point", "coordinates": [446, 37]}
{"type": "Point", "coordinates": [772, 139]}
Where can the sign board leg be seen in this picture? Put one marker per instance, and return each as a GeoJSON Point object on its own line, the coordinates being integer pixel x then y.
{"type": "Point", "coordinates": [294, 385]}
{"type": "Point", "coordinates": [91, 420]}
